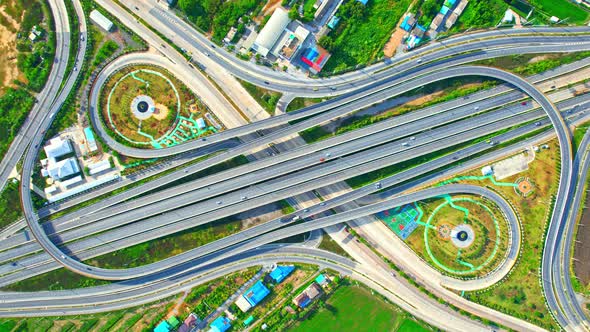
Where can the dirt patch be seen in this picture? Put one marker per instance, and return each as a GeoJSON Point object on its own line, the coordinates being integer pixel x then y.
{"type": "Point", "coordinates": [396, 39]}
{"type": "Point", "coordinates": [270, 6]}
{"type": "Point", "coordinates": [161, 112]}
{"type": "Point", "coordinates": [8, 29]}
{"type": "Point", "coordinates": [539, 58]}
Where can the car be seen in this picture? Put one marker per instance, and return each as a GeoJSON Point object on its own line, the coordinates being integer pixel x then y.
{"type": "Point", "coordinates": [553, 87]}
{"type": "Point", "coordinates": [219, 202]}
{"type": "Point", "coordinates": [212, 46]}
{"type": "Point", "coordinates": [315, 89]}
{"type": "Point", "coordinates": [419, 61]}
{"type": "Point", "coordinates": [378, 185]}
{"type": "Point", "coordinates": [51, 115]}
{"type": "Point", "coordinates": [305, 210]}
{"type": "Point", "coordinates": [322, 203]}
{"type": "Point", "coordinates": [163, 46]}
{"type": "Point", "coordinates": [75, 68]}
{"type": "Point", "coordinates": [207, 54]}
{"type": "Point", "coordinates": [296, 218]}
{"type": "Point", "coordinates": [538, 123]}
{"type": "Point", "coordinates": [405, 144]}
{"type": "Point", "coordinates": [244, 198]}
{"type": "Point", "coordinates": [412, 138]}
{"type": "Point", "coordinates": [322, 159]}
{"type": "Point", "coordinates": [183, 50]}
{"type": "Point", "coordinates": [266, 82]}
{"type": "Point", "coordinates": [523, 103]}
{"type": "Point", "coordinates": [476, 108]}
{"type": "Point", "coordinates": [333, 88]}
{"type": "Point", "coordinates": [328, 154]}
{"type": "Point", "coordinates": [82, 37]}
{"type": "Point", "coordinates": [136, 8]}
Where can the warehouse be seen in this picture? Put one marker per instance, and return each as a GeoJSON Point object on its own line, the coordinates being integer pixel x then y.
{"type": "Point", "coordinates": [100, 20]}
{"type": "Point", "coordinates": [271, 32]}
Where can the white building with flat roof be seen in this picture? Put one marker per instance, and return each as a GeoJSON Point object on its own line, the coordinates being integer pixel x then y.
{"type": "Point", "coordinates": [100, 20]}
{"type": "Point", "coordinates": [99, 167]}
{"type": "Point", "coordinates": [271, 32]}
{"type": "Point", "coordinates": [57, 148]}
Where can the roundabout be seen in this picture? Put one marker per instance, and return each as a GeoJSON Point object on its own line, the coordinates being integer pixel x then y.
{"type": "Point", "coordinates": [145, 106]}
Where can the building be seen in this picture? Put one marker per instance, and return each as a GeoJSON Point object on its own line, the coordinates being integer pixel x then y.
{"type": "Point", "coordinates": [201, 123]}
{"type": "Point", "coordinates": [50, 190]}
{"type": "Point", "coordinates": [35, 33]}
{"type": "Point", "coordinates": [508, 16]}
{"type": "Point", "coordinates": [61, 169]}
{"type": "Point", "coordinates": [436, 22]}
{"type": "Point", "coordinates": [460, 7]}
{"type": "Point", "coordinates": [98, 167]}
{"type": "Point", "coordinates": [243, 304]}
{"type": "Point", "coordinates": [322, 280]}
{"type": "Point", "coordinates": [314, 58]}
{"type": "Point", "coordinates": [290, 41]}
{"type": "Point", "coordinates": [333, 22]}
{"type": "Point", "coordinates": [100, 20]}
{"type": "Point", "coordinates": [487, 170]}
{"type": "Point", "coordinates": [191, 321]}
{"type": "Point", "coordinates": [230, 35]}
{"type": "Point", "coordinates": [163, 327]}
{"type": "Point", "coordinates": [252, 296]}
{"type": "Point", "coordinates": [256, 293]}
{"type": "Point", "coordinates": [408, 22]}
{"type": "Point", "coordinates": [71, 182]}
{"type": "Point", "coordinates": [281, 272]}
{"type": "Point", "coordinates": [90, 140]}
{"type": "Point", "coordinates": [220, 324]}
{"type": "Point", "coordinates": [271, 32]}
{"type": "Point", "coordinates": [364, 2]}
{"type": "Point", "coordinates": [248, 320]}
{"type": "Point", "coordinates": [173, 321]}
{"type": "Point", "coordinates": [308, 295]}
{"type": "Point", "coordinates": [57, 148]}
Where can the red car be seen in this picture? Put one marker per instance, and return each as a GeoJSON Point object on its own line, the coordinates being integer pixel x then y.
{"type": "Point", "coordinates": [523, 103]}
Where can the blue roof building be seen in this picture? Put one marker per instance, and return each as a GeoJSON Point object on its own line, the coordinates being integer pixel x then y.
{"type": "Point", "coordinates": [281, 272]}
{"type": "Point", "coordinates": [256, 293]}
{"type": "Point", "coordinates": [408, 23]}
{"type": "Point", "coordinates": [364, 2]}
{"type": "Point", "coordinates": [444, 10]}
{"type": "Point", "coordinates": [333, 22]}
{"type": "Point", "coordinates": [321, 279]}
{"type": "Point", "coordinates": [220, 324]}
{"type": "Point", "coordinates": [163, 327]}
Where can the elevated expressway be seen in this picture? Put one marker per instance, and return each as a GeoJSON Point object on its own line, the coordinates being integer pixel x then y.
{"type": "Point", "coordinates": [184, 35]}
{"type": "Point", "coordinates": [563, 138]}
{"type": "Point", "coordinates": [446, 74]}
{"type": "Point", "coordinates": [158, 203]}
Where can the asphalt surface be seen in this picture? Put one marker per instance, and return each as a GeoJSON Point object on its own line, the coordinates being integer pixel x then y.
{"type": "Point", "coordinates": [557, 226]}
{"type": "Point", "coordinates": [48, 95]}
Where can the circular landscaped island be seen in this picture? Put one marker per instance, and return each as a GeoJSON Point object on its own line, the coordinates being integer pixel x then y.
{"type": "Point", "coordinates": [146, 106]}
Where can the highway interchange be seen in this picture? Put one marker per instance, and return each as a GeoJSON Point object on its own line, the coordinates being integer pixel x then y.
{"type": "Point", "coordinates": [267, 180]}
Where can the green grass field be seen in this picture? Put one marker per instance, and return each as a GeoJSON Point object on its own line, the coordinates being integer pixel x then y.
{"type": "Point", "coordinates": [564, 9]}
{"type": "Point", "coordinates": [352, 309]}
{"type": "Point", "coordinates": [409, 325]}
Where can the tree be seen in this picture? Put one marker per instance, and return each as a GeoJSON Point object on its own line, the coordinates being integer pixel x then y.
{"type": "Point", "coordinates": [293, 13]}
{"type": "Point", "coordinates": [352, 10]}
{"type": "Point", "coordinates": [327, 42]}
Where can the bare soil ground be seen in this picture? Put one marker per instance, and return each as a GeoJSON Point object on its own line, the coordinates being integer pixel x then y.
{"type": "Point", "coordinates": [396, 39]}
{"type": "Point", "coordinates": [268, 9]}
{"type": "Point", "coordinates": [8, 30]}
